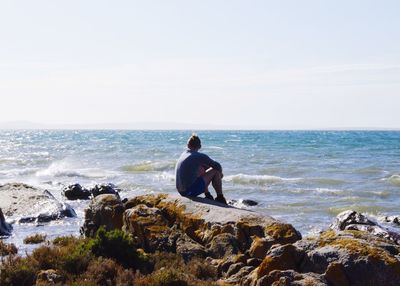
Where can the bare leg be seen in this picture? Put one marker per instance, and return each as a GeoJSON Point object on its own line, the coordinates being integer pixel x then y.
{"type": "Point", "coordinates": [215, 177]}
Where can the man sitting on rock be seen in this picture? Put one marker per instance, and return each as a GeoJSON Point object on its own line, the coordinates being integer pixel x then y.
{"type": "Point", "coordinates": [195, 171]}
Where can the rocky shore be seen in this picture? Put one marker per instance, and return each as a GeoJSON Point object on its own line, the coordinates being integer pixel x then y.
{"type": "Point", "coordinates": [249, 249]}
{"type": "Point", "coordinates": [241, 246]}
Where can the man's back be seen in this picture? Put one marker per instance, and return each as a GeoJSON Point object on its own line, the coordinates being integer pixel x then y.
{"type": "Point", "coordinates": [187, 168]}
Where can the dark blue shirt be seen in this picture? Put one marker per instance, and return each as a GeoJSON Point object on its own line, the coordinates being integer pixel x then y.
{"type": "Point", "coordinates": [187, 168]}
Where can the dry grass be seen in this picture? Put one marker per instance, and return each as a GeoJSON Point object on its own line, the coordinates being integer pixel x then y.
{"type": "Point", "coordinates": [35, 239]}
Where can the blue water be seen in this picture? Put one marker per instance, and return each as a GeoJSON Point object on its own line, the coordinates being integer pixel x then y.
{"type": "Point", "coordinates": [303, 177]}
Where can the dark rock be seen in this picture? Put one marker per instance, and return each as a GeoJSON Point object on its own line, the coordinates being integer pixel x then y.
{"type": "Point", "coordinates": [234, 268]}
{"type": "Point", "coordinates": [5, 228]}
{"type": "Point", "coordinates": [249, 203]}
{"type": "Point", "coordinates": [189, 249]}
{"type": "Point", "coordinates": [292, 278]}
{"type": "Point", "coordinates": [236, 278]}
{"type": "Point", "coordinates": [223, 245]}
{"type": "Point", "coordinates": [104, 189]}
{"type": "Point", "coordinates": [255, 262]}
{"type": "Point", "coordinates": [76, 192]}
{"type": "Point", "coordinates": [393, 219]}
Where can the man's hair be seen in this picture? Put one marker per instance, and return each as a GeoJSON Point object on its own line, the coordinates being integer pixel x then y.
{"type": "Point", "coordinates": [194, 141]}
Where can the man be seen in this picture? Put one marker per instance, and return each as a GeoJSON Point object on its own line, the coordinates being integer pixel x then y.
{"type": "Point", "coordinates": [195, 171]}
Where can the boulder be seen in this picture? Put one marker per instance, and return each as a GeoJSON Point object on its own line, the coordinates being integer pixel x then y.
{"type": "Point", "coordinates": [260, 247]}
{"type": "Point", "coordinates": [76, 192]}
{"type": "Point", "coordinates": [292, 278]}
{"type": "Point", "coordinates": [104, 210]}
{"type": "Point", "coordinates": [352, 257]}
{"type": "Point", "coordinates": [352, 220]}
{"type": "Point", "coordinates": [5, 228]}
{"type": "Point", "coordinates": [25, 203]}
{"type": "Point", "coordinates": [104, 189]}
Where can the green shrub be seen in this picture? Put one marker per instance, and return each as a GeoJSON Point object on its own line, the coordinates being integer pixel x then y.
{"type": "Point", "coordinates": [75, 258]}
{"type": "Point", "coordinates": [66, 240]}
{"type": "Point", "coordinates": [118, 245]}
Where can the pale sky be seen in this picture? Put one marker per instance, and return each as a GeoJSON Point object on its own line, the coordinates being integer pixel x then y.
{"type": "Point", "coordinates": [257, 64]}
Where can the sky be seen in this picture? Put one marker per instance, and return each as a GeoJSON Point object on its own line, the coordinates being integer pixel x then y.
{"type": "Point", "coordinates": [211, 64]}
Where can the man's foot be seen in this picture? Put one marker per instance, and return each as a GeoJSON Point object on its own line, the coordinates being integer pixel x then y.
{"type": "Point", "coordinates": [208, 196]}
{"type": "Point", "coordinates": [221, 199]}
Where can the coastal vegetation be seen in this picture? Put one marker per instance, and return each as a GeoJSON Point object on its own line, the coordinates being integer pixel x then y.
{"type": "Point", "coordinates": [35, 238]}
{"type": "Point", "coordinates": [108, 259]}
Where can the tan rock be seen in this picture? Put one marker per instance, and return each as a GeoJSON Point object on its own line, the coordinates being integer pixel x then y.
{"type": "Point", "coordinates": [106, 210]}
{"type": "Point", "coordinates": [260, 247]}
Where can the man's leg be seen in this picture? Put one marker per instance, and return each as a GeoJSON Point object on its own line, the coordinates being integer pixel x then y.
{"type": "Point", "coordinates": [215, 177]}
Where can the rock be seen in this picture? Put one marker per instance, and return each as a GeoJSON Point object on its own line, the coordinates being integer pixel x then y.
{"type": "Point", "coordinates": [234, 268]}
{"type": "Point", "coordinates": [283, 233]}
{"type": "Point", "coordinates": [76, 192]}
{"type": "Point", "coordinates": [245, 202]}
{"type": "Point", "coordinates": [336, 276]}
{"type": "Point", "coordinates": [255, 262]}
{"type": "Point", "coordinates": [249, 203]}
{"type": "Point", "coordinates": [283, 257]}
{"type": "Point", "coordinates": [106, 210]}
{"type": "Point", "coordinates": [50, 276]}
{"type": "Point", "coordinates": [5, 228]}
{"type": "Point", "coordinates": [260, 247]}
{"type": "Point", "coordinates": [292, 278]}
{"type": "Point", "coordinates": [235, 279]}
{"type": "Point", "coordinates": [348, 218]}
{"type": "Point", "coordinates": [189, 249]}
{"type": "Point", "coordinates": [25, 203]}
{"type": "Point", "coordinates": [223, 245]}
{"type": "Point", "coordinates": [353, 257]}
{"type": "Point", "coordinates": [104, 189]}
{"type": "Point", "coordinates": [148, 227]}
{"type": "Point", "coordinates": [352, 220]}
{"type": "Point", "coordinates": [393, 219]}
{"type": "Point", "coordinates": [236, 240]}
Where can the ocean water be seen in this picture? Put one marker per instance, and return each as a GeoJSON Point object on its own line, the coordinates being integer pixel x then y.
{"type": "Point", "coordinates": [302, 177]}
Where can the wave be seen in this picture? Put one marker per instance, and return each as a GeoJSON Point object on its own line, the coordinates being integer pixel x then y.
{"type": "Point", "coordinates": [394, 180]}
{"type": "Point", "coordinates": [244, 179]}
{"type": "Point", "coordinates": [63, 169]}
{"type": "Point", "coordinates": [150, 166]}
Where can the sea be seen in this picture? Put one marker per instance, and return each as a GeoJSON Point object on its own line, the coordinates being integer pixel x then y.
{"type": "Point", "coordinates": [304, 178]}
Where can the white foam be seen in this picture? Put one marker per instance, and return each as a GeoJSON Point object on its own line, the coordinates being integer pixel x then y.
{"type": "Point", "coordinates": [67, 169]}
{"type": "Point", "coordinates": [245, 179]}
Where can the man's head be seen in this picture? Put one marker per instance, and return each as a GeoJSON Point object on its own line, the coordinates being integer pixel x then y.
{"type": "Point", "coordinates": [194, 142]}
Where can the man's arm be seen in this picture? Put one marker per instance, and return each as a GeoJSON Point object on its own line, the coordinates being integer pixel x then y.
{"type": "Point", "coordinates": [208, 162]}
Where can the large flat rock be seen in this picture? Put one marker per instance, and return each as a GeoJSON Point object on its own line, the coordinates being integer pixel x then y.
{"type": "Point", "coordinates": [25, 203]}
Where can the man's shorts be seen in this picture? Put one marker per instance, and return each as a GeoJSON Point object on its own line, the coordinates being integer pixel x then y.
{"type": "Point", "coordinates": [196, 188]}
